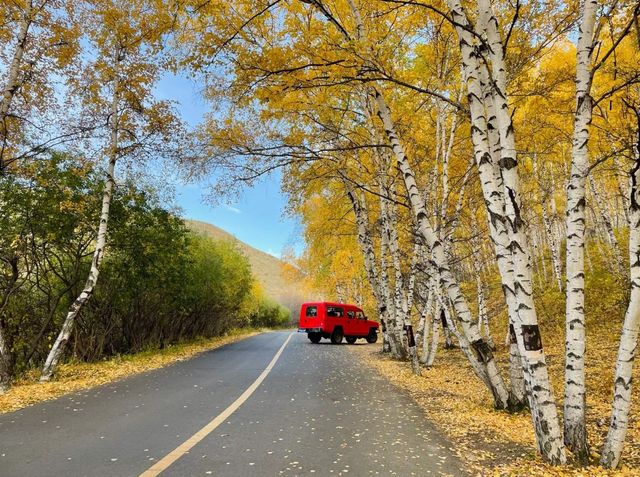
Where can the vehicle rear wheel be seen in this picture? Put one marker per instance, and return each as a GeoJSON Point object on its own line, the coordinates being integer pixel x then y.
{"type": "Point", "coordinates": [372, 337]}
{"type": "Point", "coordinates": [351, 339]}
{"type": "Point", "coordinates": [336, 336]}
{"type": "Point", "coordinates": [314, 337]}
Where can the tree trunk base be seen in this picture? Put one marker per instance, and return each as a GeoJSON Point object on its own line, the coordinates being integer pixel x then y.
{"type": "Point", "coordinates": [575, 438]}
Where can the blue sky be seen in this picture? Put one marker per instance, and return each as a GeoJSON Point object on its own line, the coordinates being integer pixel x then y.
{"type": "Point", "coordinates": [257, 216]}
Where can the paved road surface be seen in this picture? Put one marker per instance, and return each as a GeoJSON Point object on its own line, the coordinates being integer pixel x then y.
{"type": "Point", "coordinates": [316, 413]}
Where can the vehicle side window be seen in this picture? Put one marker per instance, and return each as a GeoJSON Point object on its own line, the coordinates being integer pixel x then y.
{"type": "Point", "coordinates": [351, 314]}
{"type": "Point", "coordinates": [335, 312]}
{"type": "Point", "coordinates": [312, 311]}
{"type": "Point", "coordinates": [360, 315]}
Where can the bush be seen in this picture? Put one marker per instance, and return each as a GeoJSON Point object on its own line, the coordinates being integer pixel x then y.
{"type": "Point", "coordinates": [159, 283]}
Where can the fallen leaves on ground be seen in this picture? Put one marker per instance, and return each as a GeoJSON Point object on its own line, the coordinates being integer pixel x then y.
{"type": "Point", "coordinates": [72, 377]}
{"type": "Point", "coordinates": [496, 443]}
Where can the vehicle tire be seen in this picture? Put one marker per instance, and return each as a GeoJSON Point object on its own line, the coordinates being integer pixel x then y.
{"type": "Point", "coordinates": [337, 335]}
{"type": "Point", "coordinates": [372, 337]}
{"type": "Point", "coordinates": [351, 339]}
{"type": "Point", "coordinates": [314, 337]}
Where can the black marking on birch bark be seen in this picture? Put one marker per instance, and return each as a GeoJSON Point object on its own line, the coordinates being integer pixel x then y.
{"type": "Point", "coordinates": [514, 245]}
{"type": "Point", "coordinates": [494, 218]}
{"type": "Point", "coordinates": [507, 289]}
{"type": "Point", "coordinates": [510, 128]}
{"type": "Point", "coordinates": [574, 406]}
{"type": "Point", "coordinates": [471, 96]}
{"type": "Point", "coordinates": [443, 319]}
{"type": "Point", "coordinates": [531, 337]}
{"type": "Point", "coordinates": [512, 332]}
{"type": "Point", "coordinates": [482, 351]}
{"type": "Point", "coordinates": [522, 306]}
{"type": "Point", "coordinates": [634, 206]}
{"type": "Point", "coordinates": [507, 163]}
{"type": "Point", "coordinates": [485, 158]}
{"type": "Point", "coordinates": [517, 223]}
{"type": "Point", "coordinates": [411, 341]}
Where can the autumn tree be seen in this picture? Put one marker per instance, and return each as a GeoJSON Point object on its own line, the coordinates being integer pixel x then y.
{"type": "Point", "coordinates": [39, 45]}
{"type": "Point", "coordinates": [126, 41]}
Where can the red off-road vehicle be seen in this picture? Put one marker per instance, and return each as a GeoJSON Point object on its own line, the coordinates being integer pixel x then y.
{"type": "Point", "coordinates": [335, 321]}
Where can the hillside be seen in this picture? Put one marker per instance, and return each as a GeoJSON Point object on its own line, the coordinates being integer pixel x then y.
{"type": "Point", "coordinates": [266, 268]}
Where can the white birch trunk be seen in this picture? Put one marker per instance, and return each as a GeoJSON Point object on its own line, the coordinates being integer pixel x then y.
{"type": "Point", "coordinates": [411, 284]}
{"type": "Point", "coordinates": [628, 347]}
{"type": "Point", "coordinates": [399, 299]}
{"type": "Point", "coordinates": [9, 91]}
{"type": "Point", "coordinates": [366, 246]}
{"type": "Point", "coordinates": [465, 346]}
{"type": "Point", "coordinates": [623, 188]}
{"type": "Point", "coordinates": [5, 366]}
{"type": "Point", "coordinates": [487, 369]}
{"type": "Point", "coordinates": [544, 412]}
{"type": "Point", "coordinates": [394, 321]}
{"type": "Point", "coordinates": [408, 306]}
{"type": "Point", "coordinates": [435, 337]}
{"type": "Point", "coordinates": [483, 319]}
{"type": "Point", "coordinates": [13, 79]}
{"type": "Point", "coordinates": [575, 431]}
{"type": "Point", "coordinates": [608, 226]}
{"type": "Point", "coordinates": [485, 366]}
{"type": "Point", "coordinates": [486, 151]}
{"type": "Point", "coordinates": [57, 350]}
{"type": "Point", "coordinates": [423, 328]}
{"type": "Point", "coordinates": [552, 238]}
{"type": "Point", "coordinates": [426, 319]}
{"type": "Point", "coordinates": [553, 246]}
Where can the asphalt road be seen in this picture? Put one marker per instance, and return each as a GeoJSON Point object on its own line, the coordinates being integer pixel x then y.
{"type": "Point", "coordinates": [317, 412]}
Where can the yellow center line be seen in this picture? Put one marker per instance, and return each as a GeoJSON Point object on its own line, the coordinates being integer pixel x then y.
{"type": "Point", "coordinates": [187, 445]}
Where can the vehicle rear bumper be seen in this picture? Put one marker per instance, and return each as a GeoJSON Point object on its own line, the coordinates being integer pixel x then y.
{"type": "Point", "coordinates": [309, 330]}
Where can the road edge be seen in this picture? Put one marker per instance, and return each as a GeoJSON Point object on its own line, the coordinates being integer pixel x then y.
{"type": "Point", "coordinates": [75, 377]}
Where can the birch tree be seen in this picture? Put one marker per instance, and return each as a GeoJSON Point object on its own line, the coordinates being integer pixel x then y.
{"type": "Point", "coordinates": [612, 449]}
{"type": "Point", "coordinates": [127, 39]}
{"type": "Point", "coordinates": [575, 433]}
{"type": "Point", "coordinates": [541, 400]}
{"type": "Point", "coordinates": [39, 48]}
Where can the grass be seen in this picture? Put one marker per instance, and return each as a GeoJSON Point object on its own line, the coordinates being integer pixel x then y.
{"type": "Point", "coordinates": [77, 376]}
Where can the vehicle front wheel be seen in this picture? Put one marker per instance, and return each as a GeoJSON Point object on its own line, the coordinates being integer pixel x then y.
{"type": "Point", "coordinates": [351, 339]}
{"type": "Point", "coordinates": [372, 337]}
{"type": "Point", "coordinates": [314, 337]}
{"type": "Point", "coordinates": [336, 336]}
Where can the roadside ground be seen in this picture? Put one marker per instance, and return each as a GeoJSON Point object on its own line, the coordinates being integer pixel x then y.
{"type": "Point", "coordinates": [494, 443]}
{"type": "Point", "coordinates": [77, 376]}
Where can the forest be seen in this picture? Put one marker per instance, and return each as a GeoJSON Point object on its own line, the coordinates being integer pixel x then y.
{"type": "Point", "coordinates": [468, 168]}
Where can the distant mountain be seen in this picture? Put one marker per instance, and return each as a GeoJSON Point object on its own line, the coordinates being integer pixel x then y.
{"type": "Point", "coordinates": [266, 268]}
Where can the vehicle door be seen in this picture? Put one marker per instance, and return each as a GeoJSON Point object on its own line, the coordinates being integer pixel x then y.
{"type": "Point", "coordinates": [361, 323]}
{"type": "Point", "coordinates": [351, 325]}
{"type": "Point", "coordinates": [310, 317]}
{"type": "Point", "coordinates": [335, 317]}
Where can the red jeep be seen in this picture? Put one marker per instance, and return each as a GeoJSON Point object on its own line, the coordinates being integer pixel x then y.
{"type": "Point", "coordinates": [335, 321]}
